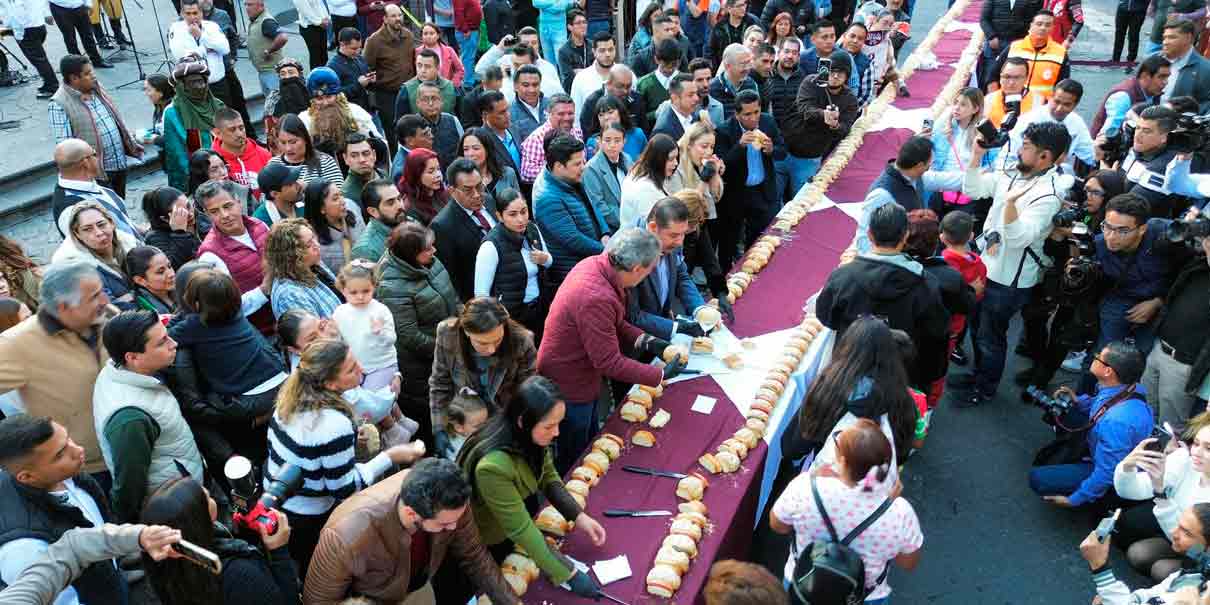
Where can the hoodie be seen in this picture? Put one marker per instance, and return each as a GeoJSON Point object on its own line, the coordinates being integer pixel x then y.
{"type": "Point", "coordinates": [113, 281]}
{"type": "Point", "coordinates": [245, 168]}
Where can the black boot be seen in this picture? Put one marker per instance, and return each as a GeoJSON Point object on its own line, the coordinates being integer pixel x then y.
{"type": "Point", "coordinates": [102, 40]}
{"type": "Point", "coordinates": [118, 36]}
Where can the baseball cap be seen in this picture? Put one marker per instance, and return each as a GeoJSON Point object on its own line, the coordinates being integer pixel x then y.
{"type": "Point", "coordinates": [274, 176]}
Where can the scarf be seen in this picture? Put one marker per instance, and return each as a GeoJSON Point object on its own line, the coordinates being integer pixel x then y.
{"type": "Point", "coordinates": [196, 114]}
{"type": "Point", "coordinates": [292, 97]}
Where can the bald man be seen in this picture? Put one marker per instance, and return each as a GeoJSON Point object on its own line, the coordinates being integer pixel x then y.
{"type": "Point", "coordinates": [390, 53]}
{"type": "Point", "coordinates": [78, 170]}
{"type": "Point", "coordinates": [620, 84]}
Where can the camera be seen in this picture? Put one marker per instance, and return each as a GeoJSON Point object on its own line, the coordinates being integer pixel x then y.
{"type": "Point", "coordinates": [1057, 405]}
{"type": "Point", "coordinates": [1118, 142]}
{"type": "Point", "coordinates": [707, 171]}
{"type": "Point", "coordinates": [991, 137]}
{"type": "Point", "coordinates": [1189, 230]}
{"type": "Point", "coordinates": [250, 510]}
{"type": "Point", "coordinates": [1067, 217]}
{"type": "Point", "coordinates": [1192, 134]}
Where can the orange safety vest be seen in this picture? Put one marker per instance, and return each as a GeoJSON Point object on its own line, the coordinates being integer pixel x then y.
{"type": "Point", "coordinates": [995, 110]}
{"type": "Point", "coordinates": [1044, 64]}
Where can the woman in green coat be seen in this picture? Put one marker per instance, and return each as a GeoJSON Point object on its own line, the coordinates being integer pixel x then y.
{"type": "Point", "coordinates": [413, 284]}
{"type": "Point", "coordinates": [509, 462]}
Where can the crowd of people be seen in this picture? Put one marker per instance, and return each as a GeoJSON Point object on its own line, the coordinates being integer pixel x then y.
{"type": "Point", "coordinates": [403, 302]}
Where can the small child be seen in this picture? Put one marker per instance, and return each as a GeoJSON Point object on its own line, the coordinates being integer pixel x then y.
{"type": "Point", "coordinates": [466, 414]}
{"type": "Point", "coordinates": [956, 230]}
{"type": "Point", "coordinates": [366, 324]}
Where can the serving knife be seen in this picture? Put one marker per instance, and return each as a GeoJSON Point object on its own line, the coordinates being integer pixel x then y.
{"type": "Point", "coordinates": [623, 512]}
{"type": "Point", "coordinates": [655, 472]}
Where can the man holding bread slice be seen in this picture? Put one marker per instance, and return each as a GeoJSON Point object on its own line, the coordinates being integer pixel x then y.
{"type": "Point", "coordinates": [586, 330]}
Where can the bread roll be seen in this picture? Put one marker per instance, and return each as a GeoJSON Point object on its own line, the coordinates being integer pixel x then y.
{"type": "Point", "coordinates": [761, 415]}
{"type": "Point", "coordinates": [756, 425]}
{"type": "Point", "coordinates": [691, 487]}
{"type": "Point", "coordinates": [550, 521]}
{"type": "Point", "coordinates": [697, 518]}
{"type": "Point", "coordinates": [774, 385]}
{"type": "Point", "coordinates": [761, 405]}
{"type": "Point", "coordinates": [521, 565]}
{"type": "Point", "coordinates": [640, 397]}
{"type": "Point", "coordinates": [710, 463]}
{"type": "Point", "coordinates": [587, 475]}
{"type": "Point", "coordinates": [663, 581]}
{"type": "Point", "coordinates": [799, 343]}
{"type": "Point", "coordinates": [643, 439]}
{"type": "Point", "coordinates": [702, 344]}
{"type": "Point", "coordinates": [672, 558]}
{"type": "Point", "coordinates": [576, 486]}
{"type": "Point", "coordinates": [752, 266]}
{"type": "Point", "coordinates": [735, 446]}
{"type": "Point", "coordinates": [767, 395]}
{"type": "Point", "coordinates": [597, 461]}
{"type": "Point", "coordinates": [708, 316]}
{"type": "Point", "coordinates": [610, 445]}
{"type": "Point", "coordinates": [685, 527]}
{"type": "Point", "coordinates": [684, 544]}
{"type": "Point", "coordinates": [691, 506]}
{"type": "Point", "coordinates": [517, 583]}
{"type": "Point", "coordinates": [729, 461]}
{"type": "Point", "coordinates": [660, 419]}
{"type": "Point", "coordinates": [748, 437]}
{"type": "Point", "coordinates": [656, 391]}
{"type": "Point", "coordinates": [734, 361]}
{"type": "Point", "coordinates": [633, 412]}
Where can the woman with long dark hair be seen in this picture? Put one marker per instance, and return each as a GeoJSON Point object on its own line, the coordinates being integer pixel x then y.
{"type": "Point", "coordinates": [336, 221]}
{"type": "Point", "coordinates": [300, 279]}
{"type": "Point", "coordinates": [297, 149]}
{"type": "Point", "coordinates": [153, 277]}
{"type": "Point", "coordinates": [173, 224]}
{"type": "Point", "coordinates": [207, 165]}
{"type": "Point", "coordinates": [423, 186]}
{"type": "Point", "coordinates": [20, 271]}
{"type": "Point", "coordinates": [508, 462]}
{"type": "Point", "coordinates": [645, 185]}
{"type": "Point", "coordinates": [511, 262]}
{"type": "Point", "coordinates": [159, 91]}
{"type": "Point", "coordinates": [610, 110]}
{"type": "Point", "coordinates": [483, 148]}
{"type": "Point", "coordinates": [250, 575]}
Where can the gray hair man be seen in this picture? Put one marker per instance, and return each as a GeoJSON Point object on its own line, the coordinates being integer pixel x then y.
{"type": "Point", "coordinates": [734, 77]}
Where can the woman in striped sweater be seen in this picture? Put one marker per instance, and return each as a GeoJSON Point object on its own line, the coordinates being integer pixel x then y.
{"type": "Point", "coordinates": [299, 150]}
{"type": "Point", "coordinates": [313, 428]}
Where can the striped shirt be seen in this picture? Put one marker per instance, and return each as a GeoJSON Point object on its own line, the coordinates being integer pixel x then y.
{"type": "Point", "coordinates": [107, 131]}
{"type": "Point", "coordinates": [328, 169]}
{"type": "Point", "coordinates": [533, 154]}
{"type": "Point", "coordinates": [321, 444]}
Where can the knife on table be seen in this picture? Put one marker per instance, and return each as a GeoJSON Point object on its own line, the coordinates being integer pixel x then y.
{"type": "Point", "coordinates": [623, 512]}
{"type": "Point", "coordinates": [655, 472]}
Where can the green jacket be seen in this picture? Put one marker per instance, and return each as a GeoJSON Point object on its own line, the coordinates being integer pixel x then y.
{"type": "Point", "coordinates": [653, 94]}
{"type": "Point", "coordinates": [419, 298]}
{"type": "Point", "coordinates": [176, 149]}
{"type": "Point", "coordinates": [502, 483]}
{"type": "Point", "coordinates": [373, 240]}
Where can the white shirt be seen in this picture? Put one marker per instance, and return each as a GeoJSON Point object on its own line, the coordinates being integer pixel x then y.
{"type": "Point", "coordinates": [686, 121]}
{"type": "Point", "coordinates": [1185, 487]}
{"type": "Point", "coordinates": [311, 12]}
{"type": "Point", "coordinates": [252, 300]}
{"type": "Point", "coordinates": [23, 14]}
{"type": "Point", "coordinates": [212, 45]}
{"type": "Point", "coordinates": [1081, 139]}
{"type": "Point", "coordinates": [491, 220]}
{"type": "Point", "coordinates": [17, 555]}
{"type": "Point", "coordinates": [342, 8]}
{"type": "Point", "coordinates": [665, 81]}
{"type": "Point", "coordinates": [373, 350]}
{"type": "Point", "coordinates": [488, 259]}
{"type": "Point", "coordinates": [638, 196]}
{"type": "Point", "coordinates": [586, 82]}
{"type": "Point", "coordinates": [1035, 208]}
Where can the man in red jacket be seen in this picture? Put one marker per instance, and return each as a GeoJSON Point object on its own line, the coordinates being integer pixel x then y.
{"type": "Point", "coordinates": [585, 332]}
{"type": "Point", "coordinates": [244, 157]}
{"type": "Point", "coordinates": [467, 17]}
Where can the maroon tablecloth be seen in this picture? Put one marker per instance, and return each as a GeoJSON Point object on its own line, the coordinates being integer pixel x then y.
{"type": "Point", "coordinates": [878, 148]}
{"type": "Point", "coordinates": [949, 49]}
{"type": "Point", "coordinates": [923, 86]}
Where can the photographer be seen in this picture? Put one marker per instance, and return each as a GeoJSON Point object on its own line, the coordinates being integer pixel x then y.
{"type": "Point", "coordinates": [1013, 236]}
{"type": "Point", "coordinates": [1116, 419]}
{"type": "Point", "coordinates": [1146, 165]}
{"type": "Point", "coordinates": [1012, 96]}
{"type": "Point", "coordinates": [823, 113]}
{"type": "Point", "coordinates": [1192, 533]}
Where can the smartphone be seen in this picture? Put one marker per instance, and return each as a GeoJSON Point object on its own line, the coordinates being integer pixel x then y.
{"type": "Point", "coordinates": [199, 556]}
{"type": "Point", "coordinates": [1162, 435]}
{"type": "Point", "coordinates": [926, 124]}
{"type": "Point", "coordinates": [1105, 527]}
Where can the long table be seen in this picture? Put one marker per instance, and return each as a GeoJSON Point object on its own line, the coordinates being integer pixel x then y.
{"type": "Point", "coordinates": [774, 301]}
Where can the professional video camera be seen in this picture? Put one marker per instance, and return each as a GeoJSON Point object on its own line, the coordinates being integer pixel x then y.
{"type": "Point", "coordinates": [1189, 230]}
{"type": "Point", "coordinates": [1192, 134]}
{"type": "Point", "coordinates": [991, 137]}
{"type": "Point", "coordinates": [1118, 142]}
{"type": "Point", "coordinates": [1055, 406]}
{"type": "Point", "coordinates": [250, 510]}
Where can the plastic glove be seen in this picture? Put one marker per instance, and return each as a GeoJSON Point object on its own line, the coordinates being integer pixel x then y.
{"type": "Point", "coordinates": [672, 369]}
{"type": "Point", "coordinates": [726, 309]}
{"type": "Point", "coordinates": [689, 328]}
{"type": "Point", "coordinates": [442, 442]}
{"type": "Point", "coordinates": [583, 585]}
{"type": "Point", "coordinates": [652, 346]}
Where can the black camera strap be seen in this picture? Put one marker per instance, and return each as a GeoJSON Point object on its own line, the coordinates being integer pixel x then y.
{"type": "Point", "coordinates": [1123, 395]}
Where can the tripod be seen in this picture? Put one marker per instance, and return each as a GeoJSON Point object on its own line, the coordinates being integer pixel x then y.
{"type": "Point", "coordinates": [24, 68]}
{"type": "Point", "coordinates": [165, 63]}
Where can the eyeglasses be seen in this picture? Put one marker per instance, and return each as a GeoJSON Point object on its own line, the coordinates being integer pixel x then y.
{"type": "Point", "coordinates": [1094, 192]}
{"type": "Point", "coordinates": [1108, 229]}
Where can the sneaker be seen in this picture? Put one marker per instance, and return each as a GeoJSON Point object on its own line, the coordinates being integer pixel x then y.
{"type": "Point", "coordinates": [102, 64]}
{"type": "Point", "coordinates": [971, 400]}
{"type": "Point", "coordinates": [959, 356]}
{"type": "Point", "coordinates": [1074, 361]}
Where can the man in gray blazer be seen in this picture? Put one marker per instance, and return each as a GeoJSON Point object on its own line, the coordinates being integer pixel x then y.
{"type": "Point", "coordinates": [1190, 71]}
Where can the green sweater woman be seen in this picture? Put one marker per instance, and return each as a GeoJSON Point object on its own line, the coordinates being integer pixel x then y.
{"type": "Point", "coordinates": [509, 462]}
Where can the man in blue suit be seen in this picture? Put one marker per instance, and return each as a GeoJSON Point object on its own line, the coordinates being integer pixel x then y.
{"type": "Point", "coordinates": [650, 302]}
{"type": "Point", "coordinates": [749, 143]}
{"type": "Point", "coordinates": [684, 107]}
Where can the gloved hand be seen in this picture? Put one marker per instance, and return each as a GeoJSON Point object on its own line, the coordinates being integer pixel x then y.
{"type": "Point", "coordinates": [689, 328]}
{"type": "Point", "coordinates": [718, 288]}
{"type": "Point", "coordinates": [583, 585]}
{"type": "Point", "coordinates": [725, 308]}
{"type": "Point", "coordinates": [442, 442]}
{"type": "Point", "coordinates": [672, 369]}
{"type": "Point", "coordinates": [652, 345]}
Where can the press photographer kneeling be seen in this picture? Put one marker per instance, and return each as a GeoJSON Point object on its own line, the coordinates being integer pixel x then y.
{"type": "Point", "coordinates": [1095, 431]}
{"type": "Point", "coordinates": [1190, 536]}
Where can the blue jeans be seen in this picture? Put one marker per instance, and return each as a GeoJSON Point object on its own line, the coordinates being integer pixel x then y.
{"type": "Point", "coordinates": [468, 47]}
{"type": "Point", "coordinates": [552, 38]}
{"type": "Point", "coordinates": [801, 171]}
{"type": "Point", "coordinates": [1058, 479]}
{"type": "Point", "coordinates": [268, 81]}
{"type": "Point", "coordinates": [1000, 303]}
{"type": "Point", "coordinates": [597, 25]}
{"type": "Point", "coordinates": [576, 431]}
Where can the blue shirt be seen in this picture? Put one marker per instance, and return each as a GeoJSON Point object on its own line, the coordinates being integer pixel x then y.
{"type": "Point", "coordinates": [1111, 438]}
{"type": "Point", "coordinates": [1148, 272]}
{"type": "Point", "coordinates": [756, 167]}
{"type": "Point", "coordinates": [510, 145]}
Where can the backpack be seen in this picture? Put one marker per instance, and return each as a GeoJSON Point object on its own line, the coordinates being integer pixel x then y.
{"type": "Point", "coordinates": [831, 572]}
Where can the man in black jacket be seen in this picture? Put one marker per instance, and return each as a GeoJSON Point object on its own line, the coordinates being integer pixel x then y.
{"type": "Point", "coordinates": [460, 226]}
{"type": "Point", "coordinates": [352, 69]}
{"type": "Point", "coordinates": [1002, 22]}
{"type": "Point", "coordinates": [729, 30]}
{"type": "Point", "coordinates": [749, 143]}
{"type": "Point", "coordinates": [43, 493]}
{"type": "Point", "coordinates": [822, 116]}
{"type": "Point", "coordinates": [886, 282]}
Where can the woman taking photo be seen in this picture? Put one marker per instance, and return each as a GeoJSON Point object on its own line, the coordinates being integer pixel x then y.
{"type": "Point", "coordinates": [604, 173]}
{"type": "Point", "coordinates": [1174, 480]}
{"type": "Point", "coordinates": [299, 150]}
{"type": "Point", "coordinates": [313, 428]}
{"type": "Point", "coordinates": [153, 277]}
{"type": "Point", "coordinates": [511, 261]}
{"type": "Point", "coordinates": [300, 279]}
{"type": "Point", "coordinates": [648, 179]}
{"type": "Point", "coordinates": [850, 490]}
{"type": "Point", "coordinates": [484, 350]}
{"type": "Point", "coordinates": [335, 220]}
{"type": "Point", "coordinates": [609, 110]}
{"type": "Point", "coordinates": [250, 575]}
{"type": "Point", "coordinates": [94, 239]}
{"type": "Point", "coordinates": [953, 144]}
{"type": "Point", "coordinates": [482, 147]}
{"type": "Point", "coordinates": [173, 224]}
{"type": "Point", "coordinates": [697, 149]}
{"type": "Point", "coordinates": [508, 462]}
{"type": "Point", "coordinates": [417, 289]}
{"type": "Point", "coordinates": [21, 273]}
{"type": "Point", "coordinates": [423, 186]}
{"type": "Point", "coordinates": [160, 92]}
{"type": "Point", "coordinates": [449, 66]}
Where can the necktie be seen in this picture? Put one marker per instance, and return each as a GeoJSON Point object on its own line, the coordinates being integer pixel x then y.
{"type": "Point", "coordinates": [482, 220]}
